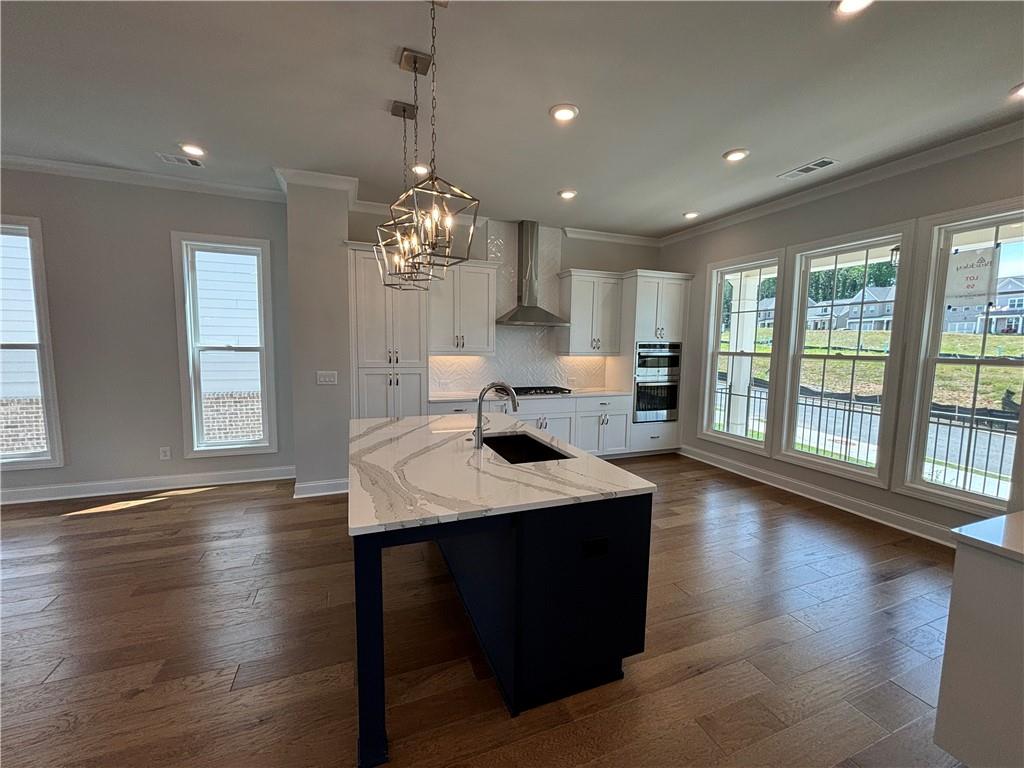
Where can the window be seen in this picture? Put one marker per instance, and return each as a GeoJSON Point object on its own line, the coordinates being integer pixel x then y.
{"type": "Point", "coordinates": [28, 397]}
{"type": "Point", "coordinates": [839, 372]}
{"type": "Point", "coordinates": [974, 372]}
{"type": "Point", "coordinates": [742, 327]}
{"type": "Point", "coordinates": [225, 336]}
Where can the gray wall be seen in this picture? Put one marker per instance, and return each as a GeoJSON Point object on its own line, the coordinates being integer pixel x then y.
{"type": "Point", "coordinates": [614, 257]}
{"type": "Point", "coordinates": [112, 316]}
{"type": "Point", "coordinates": [983, 177]}
{"type": "Point", "coordinates": [318, 280]}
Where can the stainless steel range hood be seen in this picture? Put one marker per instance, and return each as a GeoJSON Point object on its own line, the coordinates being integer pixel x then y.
{"type": "Point", "coordinates": [527, 311]}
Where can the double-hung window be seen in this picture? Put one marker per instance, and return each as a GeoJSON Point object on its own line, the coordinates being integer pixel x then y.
{"type": "Point", "coordinates": [842, 346]}
{"type": "Point", "coordinates": [973, 378]}
{"type": "Point", "coordinates": [30, 438]}
{"type": "Point", "coordinates": [742, 323]}
{"type": "Point", "coordinates": [225, 337]}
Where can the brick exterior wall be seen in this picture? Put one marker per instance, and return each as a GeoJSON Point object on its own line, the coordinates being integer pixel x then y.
{"type": "Point", "coordinates": [23, 425]}
{"type": "Point", "coordinates": [231, 416]}
{"type": "Point", "coordinates": [227, 416]}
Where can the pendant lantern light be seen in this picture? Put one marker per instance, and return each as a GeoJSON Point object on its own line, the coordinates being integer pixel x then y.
{"type": "Point", "coordinates": [434, 204]}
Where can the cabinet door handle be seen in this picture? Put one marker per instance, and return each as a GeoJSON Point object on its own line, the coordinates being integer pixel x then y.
{"type": "Point", "coordinates": [655, 437]}
{"type": "Point", "coordinates": [389, 357]}
{"type": "Point", "coordinates": [396, 379]}
{"type": "Point", "coordinates": [396, 356]}
{"type": "Point", "coordinates": [458, 410]}
{"type": "Point", "coordinates": [598, 342]}
{"type": "Point", "coordinates": [591, 342]}
{"type": "Point", "coordinates": [604, 403]}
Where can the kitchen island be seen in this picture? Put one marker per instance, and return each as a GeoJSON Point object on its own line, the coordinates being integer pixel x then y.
{"type": "Point", "coordinates": [550, 557]}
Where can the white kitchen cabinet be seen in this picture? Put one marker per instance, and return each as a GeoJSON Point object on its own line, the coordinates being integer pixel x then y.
{"type": "Point", "coordinates": [601, 429]}
{"type": "Point", "coordinates": [654, 436]}
{"type": "Point", "coordinates": [452, 407]}
{"type": "Point", "coordinates": [593, 302]}
{"type": "Point", "coordinates": [462, 310]}
{"type": "Point", "coordinates": [588, 431]}
{"type": "Point", "coordinates": [660, 305]}
{"type": "Point", "coordinates": [390, 325]}
{"type": "Point", "coordinates": [388, 335]}
{"type": "Point", "coordinates": [374, 392]}
{"type": "Point", "coordinates": [391, 393]}
{"type": "Point", "coordinates": [558, 425]}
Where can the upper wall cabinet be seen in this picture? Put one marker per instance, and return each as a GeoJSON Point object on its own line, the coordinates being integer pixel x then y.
{"type": "Point", "coordinates": [593, 303]}
{"type": "Point", "coordinates": [390, 325]}
{"type": "Point", "coordinates": [660, 302]}
{"type": "Point", "coordinates": [462, 310]}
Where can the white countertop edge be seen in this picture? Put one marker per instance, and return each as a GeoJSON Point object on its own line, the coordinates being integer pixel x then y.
{"type": "Point", "coordinates": [510, 510]}
{"type": "Point", "coordinates": [1002, 535]}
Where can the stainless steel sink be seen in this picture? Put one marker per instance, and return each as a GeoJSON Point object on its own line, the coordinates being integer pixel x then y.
{"type": "Point", "coordinates": [522, 448]}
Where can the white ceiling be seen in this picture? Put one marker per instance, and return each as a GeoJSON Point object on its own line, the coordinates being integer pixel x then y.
{"type": "Point", "coordinates": [664, 89]}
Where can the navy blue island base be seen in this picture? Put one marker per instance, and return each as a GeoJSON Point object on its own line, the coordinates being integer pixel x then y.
{"type": "Point", "coordinates": [557, 598]}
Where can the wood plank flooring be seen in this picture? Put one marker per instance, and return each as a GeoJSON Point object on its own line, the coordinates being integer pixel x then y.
{"type": "Point", "coordinates": [215, 627]}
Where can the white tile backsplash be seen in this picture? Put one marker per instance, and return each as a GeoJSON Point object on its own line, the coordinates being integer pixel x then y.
{"type": "Point", "coordinates": [523, 356]}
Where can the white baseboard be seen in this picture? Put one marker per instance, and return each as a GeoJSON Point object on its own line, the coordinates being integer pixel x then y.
{"type": "Point", "coordinates": [884, 515]}
{"type": "Point", "coordinates": [321, 488]}
{"type": "Point", "coordinates": [141, 484]}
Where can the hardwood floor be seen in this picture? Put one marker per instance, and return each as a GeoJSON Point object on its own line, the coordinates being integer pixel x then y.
{"type": "Point", "coordinates": [214, 627]}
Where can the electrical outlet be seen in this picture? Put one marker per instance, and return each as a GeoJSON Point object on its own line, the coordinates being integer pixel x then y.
{"type": "Point", "coordinates": [572, 382]}
{"type": "Point", "coordinates": [165, 453]}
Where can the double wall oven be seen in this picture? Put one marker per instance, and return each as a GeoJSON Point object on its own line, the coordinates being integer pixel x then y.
{"type": "Point", "coordinates": [656, 383]}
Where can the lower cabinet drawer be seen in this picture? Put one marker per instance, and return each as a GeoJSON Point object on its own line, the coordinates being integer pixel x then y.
{"type": "Point", "coordinates": [607, 404]}
{"type": "Point", "coordinates": [460, 406]}
{"type": "Point", "coordinates": [654, 436]}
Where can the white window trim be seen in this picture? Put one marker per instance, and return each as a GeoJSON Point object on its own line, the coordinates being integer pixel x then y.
{"type": "Point", "coordinates": [55, 455]}
{"type": "Point", "coordinates": [880, 475]}
{"type": "Point", "coordinates": [186, 365]}
{"type": "Point", "coordinates": [708, 370]}
{"type": "Point", "coordinates": [930, 295]}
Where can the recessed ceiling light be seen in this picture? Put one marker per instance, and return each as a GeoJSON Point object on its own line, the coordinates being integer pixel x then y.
{"type": "Point", "coordinates": [735, 155]}
{"type": "Point", "coordinates": [420, 169]}
{"type": "Point", "coordinates": [564, 113]}
{"type": "Point", "coordinates": [850, 7]}
{"type": "Point", "coordinates": [567, 194]}
{"type": "Point", "coordinates": [691, 214]}
{"type": "Point", "coordinates": [193, 149]}
{"type": "Point", "coordinates": [1018, 91]}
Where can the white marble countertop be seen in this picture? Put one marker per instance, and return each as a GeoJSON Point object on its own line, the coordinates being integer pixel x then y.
{"type": "Point", "coordinates": [423, 470]}
{"type": "Point", "coordinates": [1003, 535]}
{"type": "Point", "coordinates": [450, 397]}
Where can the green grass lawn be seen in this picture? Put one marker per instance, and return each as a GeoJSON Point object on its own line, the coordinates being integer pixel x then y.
{"type": "Point", "coordinates": [954, 382]}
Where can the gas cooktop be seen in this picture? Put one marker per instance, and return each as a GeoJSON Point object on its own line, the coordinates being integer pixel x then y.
{"type": "Point", "coordinates": [542, 390]}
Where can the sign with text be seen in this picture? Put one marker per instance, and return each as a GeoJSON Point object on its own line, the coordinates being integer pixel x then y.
{"type": "Point", "coordinates": [972, 272]}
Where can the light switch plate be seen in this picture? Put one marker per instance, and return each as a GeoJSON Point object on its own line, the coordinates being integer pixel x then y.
{"type": "Point", "coordinates": [165, 453]}
{"type": "Point", "coordinates": [326, 377]}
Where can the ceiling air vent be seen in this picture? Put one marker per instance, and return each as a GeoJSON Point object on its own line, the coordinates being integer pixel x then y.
{"type": "Point", "coordinates": [180, 160]}
{"type": "Point", "coordinates": [804, 170]}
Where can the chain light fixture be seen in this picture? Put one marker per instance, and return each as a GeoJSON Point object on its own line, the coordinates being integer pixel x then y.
{"type": "Point", "coordinates": [433, 204]}
{"type": "Point", "coordinates": [397, 237]}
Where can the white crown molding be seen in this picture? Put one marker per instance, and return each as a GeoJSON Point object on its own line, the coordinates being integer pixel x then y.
{"type": "Point", "coordinates": [141, 484]}
{"type": "Point", "coordinates": [949, 151]}
{"type": "Point", "coordinates": [140, 178]}
{"type": "Point", "coordinates": [347, 184]}
{"type": "Point", "coordinates": [321, 488]}
{"type": "Point", "coordinates": [370, 207]}
{"type": "Point", "coordinates": [611, 237]}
